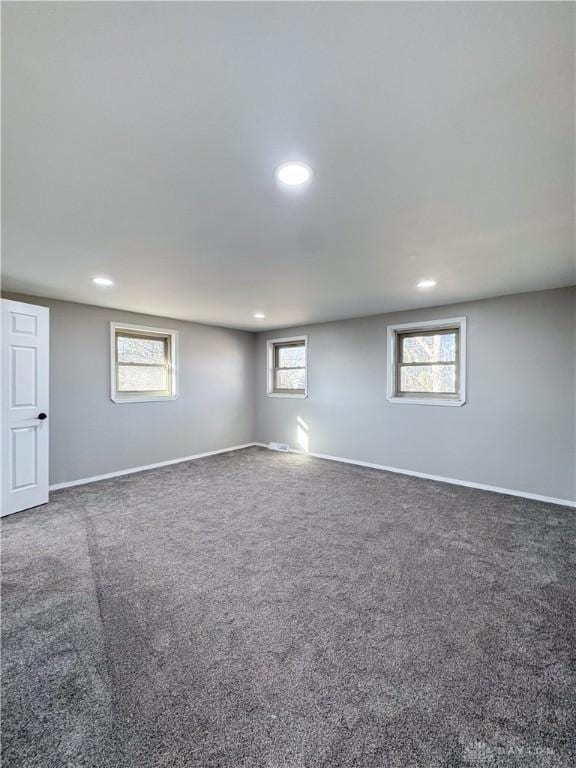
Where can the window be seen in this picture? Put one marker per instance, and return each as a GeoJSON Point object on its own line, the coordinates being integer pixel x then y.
{"type": "Point", "coordinates": [287, 363]}
{"type": "Point", "coordinates": [143, 363]}
{"type": "Point", "coordinates": [427, 362]}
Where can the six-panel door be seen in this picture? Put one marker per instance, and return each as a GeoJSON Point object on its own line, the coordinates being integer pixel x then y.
{"type": "Point", "coordinates": [25, 415]}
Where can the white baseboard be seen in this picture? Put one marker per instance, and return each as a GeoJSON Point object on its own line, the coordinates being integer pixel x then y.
{"type": "Point", "coordinates": [438, 478]}
{"type": "Point", "coordinates": [370, 465]}
{"type": "Point", "coordinates": [108, 475]}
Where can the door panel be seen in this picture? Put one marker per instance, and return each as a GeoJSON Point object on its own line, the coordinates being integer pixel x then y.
{"type": "Point", "coordinates": [26, 324]}
{"type": "Point", "coordinates": [25, 332]}
{"type": "Point", "coordinates": [24, 457]}
{"type": "Point", "coordinates": [24, 377]}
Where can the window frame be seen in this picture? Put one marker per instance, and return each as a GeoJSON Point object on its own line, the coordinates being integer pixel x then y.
{"type": "Point", "coordinates": [146, 332]}
{"type": "Point", "coordinates": [272, 344]}
{"type": "Point", "coordinates": [426, 327]}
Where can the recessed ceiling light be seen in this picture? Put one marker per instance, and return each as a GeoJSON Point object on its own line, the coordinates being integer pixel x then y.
{"type": "Point", "coordinates": [293, 174]}
{"type": "Point", "coordinates": [426, 283]}
{"type": "Point", "coordinates": [105, 281]}
{"type": "Point", "coordinates": [259, 315]}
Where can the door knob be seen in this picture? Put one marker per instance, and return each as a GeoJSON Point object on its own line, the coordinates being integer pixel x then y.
{"type": "Point", "coordinates": [42, 416]}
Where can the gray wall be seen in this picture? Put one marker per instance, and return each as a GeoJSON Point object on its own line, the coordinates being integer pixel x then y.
{"type": "Point", "coordinates": [516, 431]}
{"type": "Point", "coordinates": [91, 435]}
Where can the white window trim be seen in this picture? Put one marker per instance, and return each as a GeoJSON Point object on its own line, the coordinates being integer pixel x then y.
{"type": "Point", "coordinates": [270, 367]}
{"type": "Point", "coordinates": [394, 330]}
{"type": "Point", "coordinates": [117, 397]}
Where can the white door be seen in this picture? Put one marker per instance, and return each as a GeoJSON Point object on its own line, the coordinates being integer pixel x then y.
{"type": "Point", "coordinates": [25, 329]}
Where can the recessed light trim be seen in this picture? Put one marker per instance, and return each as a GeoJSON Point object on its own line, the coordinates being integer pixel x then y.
{"type": "Point", "coordinates": [428, 283]}
{"type": "Point", "coordinates": [259, 316]}
{"type": "Point", "coordinates": [293, 174]}
{"type": "Point", "coordinates": [103, 281]}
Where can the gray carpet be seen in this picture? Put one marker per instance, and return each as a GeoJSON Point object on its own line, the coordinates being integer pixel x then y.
{"type": "Point", "coordinates": [263, 610]}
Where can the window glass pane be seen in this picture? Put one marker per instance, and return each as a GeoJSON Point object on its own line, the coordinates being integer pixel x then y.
{"type": "Point", "coordinates": [291, 357]}
{"type": "Point", "coordinates": [134, 350]}
{"type": "Point", "coordinates": [436, 348]}
{"type": "Point", "coordinates": [290, 379]}
{"type": "Point", "coordinates": [135, 378]}
{"type": "Point", "coordinates": [428, 378]}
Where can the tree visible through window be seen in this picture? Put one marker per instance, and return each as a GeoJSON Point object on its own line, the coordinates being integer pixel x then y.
{"type": "Point", "coordinates": [143, 361]}
{"type": "Point", "coordinates": [287, 361]}
{"type": "Point", "coordinates": [427, 362]}
{"type": "Point", "coordinates": [143, 364]}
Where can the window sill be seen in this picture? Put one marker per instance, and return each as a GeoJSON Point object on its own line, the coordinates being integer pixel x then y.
{"type": "Point", "coordinates": [159, 399]}
{"type": "Point", "coordinates": [456, 402]}
{"type": "Point", "coordinates": [287, 394]}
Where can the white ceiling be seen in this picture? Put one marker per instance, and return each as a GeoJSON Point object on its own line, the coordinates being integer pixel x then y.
{"type": "Point", "coordinates": [140, 142]}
